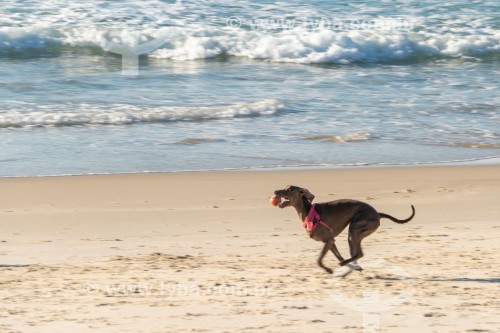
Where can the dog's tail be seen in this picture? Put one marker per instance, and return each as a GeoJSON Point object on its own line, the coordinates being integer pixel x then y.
{"type": "Point", "coordinates": [387, 216]}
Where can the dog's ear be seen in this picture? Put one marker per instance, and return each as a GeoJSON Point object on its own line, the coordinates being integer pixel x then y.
{"type": "Point", "coordinates": [308, 195]}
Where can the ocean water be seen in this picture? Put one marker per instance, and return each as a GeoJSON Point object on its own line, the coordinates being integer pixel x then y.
{"type": "Point", "coordinates": [246, 84]}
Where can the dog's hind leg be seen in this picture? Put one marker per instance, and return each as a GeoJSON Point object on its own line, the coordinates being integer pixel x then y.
{"type": "Point", "coordinates": [356, 235]}
{"type": "Point", "coordinates": [355, 247]}
{"type": "Point", "coordinates": [328, 246]}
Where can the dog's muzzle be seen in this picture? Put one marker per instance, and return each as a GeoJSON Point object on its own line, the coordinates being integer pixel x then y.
{"type": "Point", "coordinates": [284, 201]}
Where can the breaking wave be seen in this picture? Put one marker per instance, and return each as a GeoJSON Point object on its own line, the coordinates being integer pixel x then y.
{"type": "Point", "coordinates": [29, 116]}
{"type": "Point", "coordinates": [293, 46]}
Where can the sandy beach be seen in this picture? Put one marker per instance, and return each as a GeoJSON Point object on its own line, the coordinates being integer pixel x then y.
{"type": "Point", "coordinates": [205, 252]}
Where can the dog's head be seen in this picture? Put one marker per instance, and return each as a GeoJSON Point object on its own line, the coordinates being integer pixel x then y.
{"type": "Point", "coordinates": [293, 196]}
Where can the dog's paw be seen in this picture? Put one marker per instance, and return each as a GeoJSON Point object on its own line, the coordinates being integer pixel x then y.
{"type": "Point", "coordinates": [355, 267]}
{"type": "Point", "coordinates": [328, 270]}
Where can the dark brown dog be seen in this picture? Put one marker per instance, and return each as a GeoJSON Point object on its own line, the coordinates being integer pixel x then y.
{"type": "Point", "coordinates": [362, 219]}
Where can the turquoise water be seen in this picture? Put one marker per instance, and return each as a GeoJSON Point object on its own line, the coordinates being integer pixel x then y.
{"type": "Point", "coordinates": [238, 85]}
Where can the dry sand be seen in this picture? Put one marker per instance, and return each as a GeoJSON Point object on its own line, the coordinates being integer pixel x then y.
{"type": "Point", "coordinates": [205, 252]}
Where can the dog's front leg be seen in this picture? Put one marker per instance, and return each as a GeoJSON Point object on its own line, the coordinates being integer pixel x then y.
{"type": "Point", "coordinates": [336, 252]}
{"type": "Point", "coordinates": [326, 248]}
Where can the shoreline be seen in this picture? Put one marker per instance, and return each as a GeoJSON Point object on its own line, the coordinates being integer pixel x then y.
{"type": "Point", "coordinates": [488, 161]}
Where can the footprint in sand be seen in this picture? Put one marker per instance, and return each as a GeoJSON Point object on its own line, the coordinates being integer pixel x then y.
{"type": "Point", "coordinates": [407, 190]}
{"type": "Point", "coordinates": [434, 314]}
{"type": "Point", "coordinates": [444, 189]}
{"type": "Point", "coordinates": [304, 307]}
{"type": "Point", "coordinates": [189, 314]}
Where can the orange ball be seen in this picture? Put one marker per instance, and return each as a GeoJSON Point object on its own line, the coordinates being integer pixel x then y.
{"type": "Point", "coordinates": [275, 201]}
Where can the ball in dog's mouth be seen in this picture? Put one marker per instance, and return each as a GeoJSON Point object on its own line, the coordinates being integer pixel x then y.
{"type": "Point", "coordinates": [275, 201]}
{"type": "Point", "coordinates": [280, 202]}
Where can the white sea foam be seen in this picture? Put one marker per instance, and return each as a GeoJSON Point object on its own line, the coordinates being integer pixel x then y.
{"type": "Point", "coordinates": [295, 46]}
{"type": "Point", "coordinates": [25, 116]}
{"type": "Point", "coordinates": [354, 137]}
{"type": "Point", "coordinates": [199, 30]}
{"type": "Point", "coordinates": [325, 46]}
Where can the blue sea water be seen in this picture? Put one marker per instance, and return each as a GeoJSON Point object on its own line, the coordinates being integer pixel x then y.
{"type": "Point", "coordinates": [246, 84]}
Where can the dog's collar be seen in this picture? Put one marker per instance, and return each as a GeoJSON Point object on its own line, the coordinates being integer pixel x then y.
{"type": "Point", "coordinates": [312, 221]}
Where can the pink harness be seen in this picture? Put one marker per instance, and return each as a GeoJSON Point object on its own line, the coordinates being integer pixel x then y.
{"type": "Point", "coordinates": [313, 220]}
